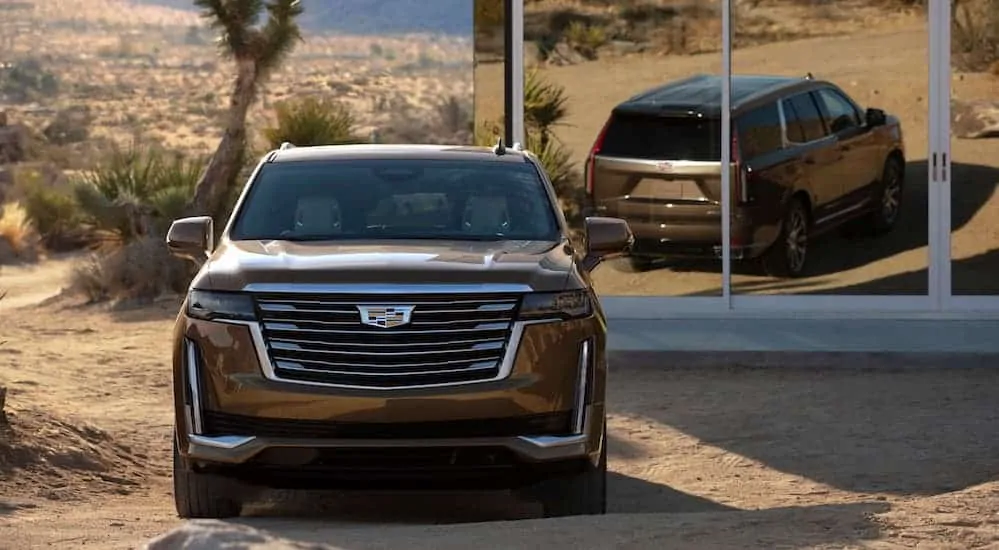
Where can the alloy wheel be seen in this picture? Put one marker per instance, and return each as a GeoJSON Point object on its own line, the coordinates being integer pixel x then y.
{"type": "Point", "coordinates": [891, 197]}
{"type": "Point", "coordinates": [797, 240]}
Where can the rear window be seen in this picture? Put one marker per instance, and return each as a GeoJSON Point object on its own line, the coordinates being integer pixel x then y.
{"type": "Point", "coordinates": [760, 131]}
{"type": "Point", "coordinates": [663, 138]}
{"type": "Point", "coordinates": [396, 199]}
{"type": "Point", "coordinates": [804, 122]}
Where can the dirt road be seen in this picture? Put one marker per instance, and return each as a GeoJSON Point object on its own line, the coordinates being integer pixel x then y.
{"type": "Point", "coordinates": [700, 458]}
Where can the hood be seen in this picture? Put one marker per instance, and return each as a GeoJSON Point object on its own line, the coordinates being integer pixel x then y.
{"type": "Point", "coordinates": [544, 266]}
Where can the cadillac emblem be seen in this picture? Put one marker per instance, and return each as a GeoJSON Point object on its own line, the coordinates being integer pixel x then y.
{"type": "Point", "coordinates": [386, 316]}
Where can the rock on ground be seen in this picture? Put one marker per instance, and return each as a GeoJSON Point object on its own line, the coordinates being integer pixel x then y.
{"type": "Point", "coordinates": [975, 120]}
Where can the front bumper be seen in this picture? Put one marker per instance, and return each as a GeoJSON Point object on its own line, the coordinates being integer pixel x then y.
{"type": "Point", "coordinates": [240, 449]}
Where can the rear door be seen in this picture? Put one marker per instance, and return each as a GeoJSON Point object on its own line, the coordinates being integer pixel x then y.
{"type": "Point", "coordinates": [659, 167]}
{"type": "Point", "coordinates": [815, 147]}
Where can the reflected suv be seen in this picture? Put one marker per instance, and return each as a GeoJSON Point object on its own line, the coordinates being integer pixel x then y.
{"type": "Point", "coordinates": [806, 159]}
{"type": "Point", "coordinates": [379, 316]}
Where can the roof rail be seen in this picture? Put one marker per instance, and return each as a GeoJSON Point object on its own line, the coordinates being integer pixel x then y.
{"type": "Point", "coordinates": [499, 149]}
{"type": "Point", "coordinates": [286, 145]}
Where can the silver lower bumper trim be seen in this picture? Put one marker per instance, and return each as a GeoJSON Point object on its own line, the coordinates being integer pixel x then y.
{"type": "Point", "coordinates": [236, 449]}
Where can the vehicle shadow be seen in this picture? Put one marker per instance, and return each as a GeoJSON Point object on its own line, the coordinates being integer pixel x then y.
{"type": "Point", "coordinates": [836, 251]}
{"type": "Point", "coordinates": [868, 428]}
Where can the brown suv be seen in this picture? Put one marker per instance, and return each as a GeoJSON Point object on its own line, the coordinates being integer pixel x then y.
{"type": "Point", "coordinates": [805, 159]}
{"type": "Point", "coordinates": [381, 316]}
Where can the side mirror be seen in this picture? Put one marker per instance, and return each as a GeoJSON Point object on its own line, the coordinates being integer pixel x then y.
{"type": "Point", "coordinates": [606, 238]}
{"type": "Point", "coordinates": [875, 117]}
{"type": "Point", "coordinates": [192, 238]}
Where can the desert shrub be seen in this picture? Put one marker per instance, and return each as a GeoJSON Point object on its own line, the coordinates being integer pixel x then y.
{"type": "Point", "coordinates": [18, 238]}
{"type": "Point", "coordinates": [311, 121]}
{"type": "Point", "coordinates": [585, 39]}
{"type": "Point", "coordinates": [69, 126]}
{"type": "Point", "coordinates": [975, 34]}
{"type": "Point", "coordinates": [56, 216]}
{"type": "Point", "coordinates": [135, 192]}
{"type": "Point", "coordinates": [26, 80]}
{"type": "Point", "coordinates": [140, 270]}
{"type": "Point", "coordinates": [545, 103]}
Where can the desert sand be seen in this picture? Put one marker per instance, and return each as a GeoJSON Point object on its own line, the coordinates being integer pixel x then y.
{"type": "Point", "coordinates": [701, 457]}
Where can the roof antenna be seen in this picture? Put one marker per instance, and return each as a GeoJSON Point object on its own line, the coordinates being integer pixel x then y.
{"type": "Point", "coordinates": [809, 76]}
{"type": "Point", "coordinates": [287, 145]}
{"type": "Point", "coordinates": [499, 149]}
{"type": "Point", "coordinates": [517, 146]}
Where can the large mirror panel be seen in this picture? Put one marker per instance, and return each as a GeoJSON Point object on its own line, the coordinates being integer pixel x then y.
{"type": "Point", "coordinates": [830, 128]}
{"type": "Point", "coordinates": [622, 104]}
{"type": "Point", "coordinates": [974, 171]}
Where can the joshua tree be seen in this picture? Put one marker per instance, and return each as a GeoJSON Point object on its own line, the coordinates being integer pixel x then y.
{"type": "Point", "coordinates": [257, 48]}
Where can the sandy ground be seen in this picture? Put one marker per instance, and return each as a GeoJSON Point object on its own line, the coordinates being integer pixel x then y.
{"type": "Point", "coordinates": [700, 457]}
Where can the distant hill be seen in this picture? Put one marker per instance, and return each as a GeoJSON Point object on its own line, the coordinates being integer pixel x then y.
{"type": "Point", "coordinates": [452, 17]}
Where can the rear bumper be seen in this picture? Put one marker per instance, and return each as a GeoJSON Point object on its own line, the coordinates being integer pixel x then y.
{"type": "Point", "coordinates": [694, 231]}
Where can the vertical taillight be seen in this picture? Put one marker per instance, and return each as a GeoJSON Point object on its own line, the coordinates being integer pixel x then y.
{"type": "Point", "coordinates": [592, 158]}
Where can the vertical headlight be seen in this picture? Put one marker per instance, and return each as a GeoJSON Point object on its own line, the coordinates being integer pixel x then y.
{"type": "Point", "coordinates": [211, 306]}
{"type": "Point", "coordinates": [573, 304]}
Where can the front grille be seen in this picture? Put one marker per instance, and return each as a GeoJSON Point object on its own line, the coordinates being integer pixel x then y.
{"type": "Point", "coordinates": [219, 423]}
{"type": "Point", "coordinates": [450, 339]}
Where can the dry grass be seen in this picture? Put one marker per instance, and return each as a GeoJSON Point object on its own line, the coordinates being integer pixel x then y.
{"type": "Point", "coordinates": [18, 238]}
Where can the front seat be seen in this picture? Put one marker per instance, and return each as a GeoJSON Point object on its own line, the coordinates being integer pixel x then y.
{"type": "Point", "coordinates": [317, 217]}
{"type": "Point", "coordinates": [486, 215]}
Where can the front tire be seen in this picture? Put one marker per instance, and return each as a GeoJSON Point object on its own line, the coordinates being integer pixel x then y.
{"type": "Point", "coordinates": [787, 257]}
{"type": "Point", "coordinates": [885, 217]}
{"type": "Point", "coordinates": [199, 495]}
{"type": "Point", "coordinates": [581, 494]}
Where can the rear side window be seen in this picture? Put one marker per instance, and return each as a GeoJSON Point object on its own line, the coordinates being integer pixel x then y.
{"type": "Point", "coordinates": [805, 112]}
{"type": "Point", "coordinates": [663, 138]}
{"type": "Point", "coordinates": [760, 131]}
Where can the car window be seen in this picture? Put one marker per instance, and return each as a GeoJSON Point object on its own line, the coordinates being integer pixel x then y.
{"type": "Point", "coordinates": [397, 199]}
{"type": "Point", "coordinates": [839, 112]}
{"type": "Point", "coordinates": [650, 137]}
{"type": "Point", "coordinates": [808, 116]}
{"type": "Point", "coordinates": [760, 131]}
{"type": "Point", "coordinates": [795, 132]}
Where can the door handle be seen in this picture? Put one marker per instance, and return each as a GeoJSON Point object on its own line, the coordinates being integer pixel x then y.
{"type": "Point", "coordinates": [933, 163]}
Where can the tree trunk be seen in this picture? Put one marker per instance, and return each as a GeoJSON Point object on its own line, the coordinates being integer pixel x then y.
{"type": "Point", "coordinates": [212, 188]}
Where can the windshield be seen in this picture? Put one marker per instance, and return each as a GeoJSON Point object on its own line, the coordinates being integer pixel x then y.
{"type": "Point", "coordinates": [396, 199]}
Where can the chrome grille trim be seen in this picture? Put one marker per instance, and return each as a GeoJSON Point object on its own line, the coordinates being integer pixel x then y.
{"type": "Point", "coordinates": [319, 339]}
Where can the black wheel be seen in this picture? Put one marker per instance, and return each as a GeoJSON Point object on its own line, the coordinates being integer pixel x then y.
{"type": "Point", "coordinates": [581, 494]}
{"type": "Point", "coordinates": [884, 218]}
{"type": "Point", "coordinates": [203, 496]}
{"type": "Point", "coordinates": [788, 255]}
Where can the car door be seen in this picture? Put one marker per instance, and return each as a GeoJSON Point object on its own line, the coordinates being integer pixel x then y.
{"type": "Point", "coordinates": [858, 167]}
{"type": "Point", "coordinates": [806, 133]}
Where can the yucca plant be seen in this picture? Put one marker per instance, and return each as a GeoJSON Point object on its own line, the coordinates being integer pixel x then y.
{"type": "Point", "coordinates": [135, 191]}
{"type": "Point", "coordinates": [311, 121]}
{"type": "Point", "coordinates": [545, 104]}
